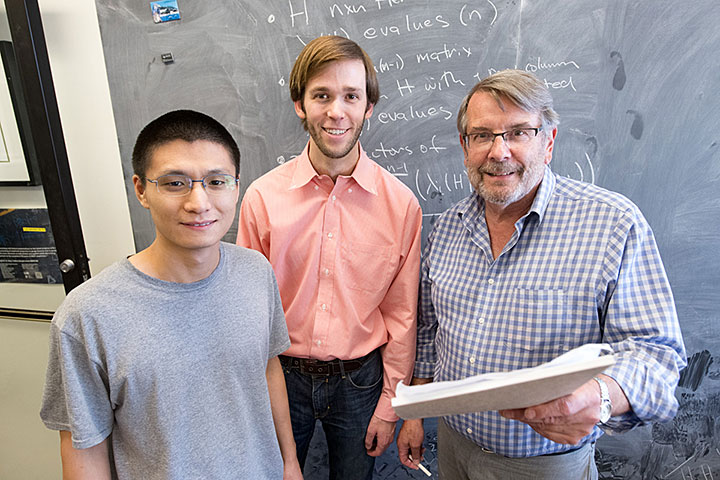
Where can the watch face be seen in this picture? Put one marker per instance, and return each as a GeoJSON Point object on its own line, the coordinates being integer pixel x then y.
{"type": "Point", "coordinates": [605, 409]}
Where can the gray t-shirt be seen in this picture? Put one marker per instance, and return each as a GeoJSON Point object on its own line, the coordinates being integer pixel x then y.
{"type": "Point", "coordinates": [175, 372]}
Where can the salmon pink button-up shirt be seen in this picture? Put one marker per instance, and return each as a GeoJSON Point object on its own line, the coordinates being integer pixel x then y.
{"type": "Point", "coordinates": [346, 256]}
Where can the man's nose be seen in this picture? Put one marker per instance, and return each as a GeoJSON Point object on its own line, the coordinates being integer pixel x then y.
{"type": "Point", "coordinates": [198, 199]}
{"type": "Point", "coordinates": [336, 109]}
{"type": "Point", "coordinates": [499, 149]}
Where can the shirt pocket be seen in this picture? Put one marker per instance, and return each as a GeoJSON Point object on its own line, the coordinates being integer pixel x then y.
{"type": "Point", "coordinates": [366, 267]}
{"type": "Point", "coordinates": [539, 324]}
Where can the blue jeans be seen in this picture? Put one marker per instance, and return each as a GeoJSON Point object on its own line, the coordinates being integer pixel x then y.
{"type": "Point", "coordinates": [344, 404]}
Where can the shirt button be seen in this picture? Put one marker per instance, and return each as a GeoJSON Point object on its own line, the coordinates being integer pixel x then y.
{"type": "Point", "coordinates": [334, 198]}
{"type": "Point", "coordinates": [319, 342]}
{"type": "Point", "coordinates": [350, 190]}
{"type": "Point", "coordinates": [472, 360]}
{"type": "Point", "coordinates": [491, 281]}
{"type": "Point", "coordinates": [330, 235]}
{"type": "Point", "coordinates": [326, 272]}
{"type": "Point", "coordinates": [468, 430]}
{"type": "Point", "coordinates": [317, 188]}
{"type": "Point", "coordinates": [323, 307]}
{"type": "Point", "coordinates": [481, 320]}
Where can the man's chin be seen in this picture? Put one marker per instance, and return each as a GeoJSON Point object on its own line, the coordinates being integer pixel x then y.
{"type": "Point", "coordinates": [500, 198]}
{"type": "Point", "coordinates": [339, 152]}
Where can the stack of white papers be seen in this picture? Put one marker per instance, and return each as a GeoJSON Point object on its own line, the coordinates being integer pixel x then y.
{"type": "Point", "coordinates": [504, 390]}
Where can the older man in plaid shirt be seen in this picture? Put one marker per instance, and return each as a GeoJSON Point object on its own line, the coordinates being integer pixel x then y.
{"type": "Point", "coordinates": [529, 266]}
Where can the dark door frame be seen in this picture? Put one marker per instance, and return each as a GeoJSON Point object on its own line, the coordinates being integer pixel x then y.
{"type": "Point", "coordinates": [30, 48]}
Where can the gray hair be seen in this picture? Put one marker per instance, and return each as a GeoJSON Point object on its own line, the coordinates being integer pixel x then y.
{"type": "Point", "coordinates": [523, 89]}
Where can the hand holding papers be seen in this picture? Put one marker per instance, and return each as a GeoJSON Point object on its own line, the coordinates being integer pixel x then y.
{"type": "Point", "coordinates": [504, 390]}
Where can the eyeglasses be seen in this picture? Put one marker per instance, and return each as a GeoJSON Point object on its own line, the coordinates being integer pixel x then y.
{"type": "Point", "coordinates": [514, 137]}
{"type": "Point", "coordinates": [180, 185]}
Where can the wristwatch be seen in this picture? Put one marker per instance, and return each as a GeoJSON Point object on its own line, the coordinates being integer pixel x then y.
{"type": "Point", "coordinates": [605, 403]}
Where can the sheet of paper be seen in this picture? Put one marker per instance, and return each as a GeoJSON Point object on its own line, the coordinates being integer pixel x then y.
{"type": "Point", "coordinates": [503, 390]}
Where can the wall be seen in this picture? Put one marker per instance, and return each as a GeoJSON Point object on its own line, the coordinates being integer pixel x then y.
{"type": "Point", "coordinates": [27, 449]}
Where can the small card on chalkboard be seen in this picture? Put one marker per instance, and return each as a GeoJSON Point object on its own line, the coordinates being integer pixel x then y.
{"type": "Point", "coordinates": [165, 11]}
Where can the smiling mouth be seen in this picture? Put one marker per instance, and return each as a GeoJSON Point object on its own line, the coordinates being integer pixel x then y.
{"type": "Point", "coordinates": [203, 224]}
{"type": "Point", "coordinates": [336, 131]}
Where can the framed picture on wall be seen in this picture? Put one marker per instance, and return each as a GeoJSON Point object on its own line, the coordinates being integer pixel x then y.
{"type": "Point", "coordinates": [18, 162]}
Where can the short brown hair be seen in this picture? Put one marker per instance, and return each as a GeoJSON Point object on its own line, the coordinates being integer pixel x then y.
{"type": "Point", "coordinates": [322, 51]}
{"type": "Point", "coordinates": [523, 89]}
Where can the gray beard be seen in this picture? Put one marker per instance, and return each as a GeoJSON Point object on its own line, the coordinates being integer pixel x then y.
{"type": "Point", "coordinates": [529, 178]}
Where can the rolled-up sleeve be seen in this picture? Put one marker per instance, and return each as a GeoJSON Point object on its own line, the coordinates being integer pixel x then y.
{"type": "Point", "coordinates": [641, 324]}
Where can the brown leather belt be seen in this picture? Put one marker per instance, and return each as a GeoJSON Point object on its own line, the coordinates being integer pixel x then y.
{"type": "Point", "coordinates": [310, 366]}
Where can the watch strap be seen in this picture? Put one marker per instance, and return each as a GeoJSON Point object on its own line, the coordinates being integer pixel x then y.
{"type": "Point", "coordinates": [605, 403]}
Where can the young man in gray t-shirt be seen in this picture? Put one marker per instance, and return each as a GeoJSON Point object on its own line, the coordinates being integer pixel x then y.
{"type": "Point", "coordinates": [164, 366]}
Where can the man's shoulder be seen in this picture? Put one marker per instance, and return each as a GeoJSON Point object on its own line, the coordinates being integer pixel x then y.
{"type": "Point", "coordinates": [275, 178]}
{"type": "Point", "coordinates": [241, 261]}
{"type": "Point", "coordinates": [578, 191]}
{"type": "Point", "coordinates": [237, 254]}
{"type": "Point", "coordinates": [452, 217]}
{"type": "Point", "coordinates": [90, 297]}
{"type": "Point", "coordinates": [449, 224]}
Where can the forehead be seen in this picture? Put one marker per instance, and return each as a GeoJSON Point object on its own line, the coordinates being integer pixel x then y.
{"type": "Point", "coordinates": [484, 110]}
{"type": "Point", "coordinates": [339, 75]}
{"type": "Point", "coordinates": [180, 156]}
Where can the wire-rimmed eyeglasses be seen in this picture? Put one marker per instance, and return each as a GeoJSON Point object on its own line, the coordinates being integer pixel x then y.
{"type": "Point", "coordinates": [181, 185]}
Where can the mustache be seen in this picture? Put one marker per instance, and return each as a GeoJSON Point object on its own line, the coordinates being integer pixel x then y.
{"type": "Point", "coordinates": [497, 168]}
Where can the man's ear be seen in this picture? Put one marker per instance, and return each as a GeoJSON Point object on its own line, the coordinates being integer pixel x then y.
{"type": "Point", "coordinates": [369, 110]}
{"type": "Point", "coordinates": [300, 109]}
{"type": "Point", "coordinates": [550, 145]}
{"type": "Point", "coordinates": [464, 147]}
{"type": "Point", "coordinates": [140, 189]}
{"type": "Point", "coordinates": [237, 191]}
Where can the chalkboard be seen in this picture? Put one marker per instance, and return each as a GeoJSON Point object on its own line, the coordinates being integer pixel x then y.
{"type": "Point", "coordinates": [635, 83]}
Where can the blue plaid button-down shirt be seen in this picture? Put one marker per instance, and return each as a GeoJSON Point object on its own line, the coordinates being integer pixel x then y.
{"type": "Point", "coordinates": [582, 267]}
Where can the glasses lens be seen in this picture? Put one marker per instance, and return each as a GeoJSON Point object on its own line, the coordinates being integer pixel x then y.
{"type": "Point", "coordinates": [217, 184]}
{"type": "Point", "coordinates": [173, 185]}
{"type": "Point", "coordinates": [481, 138]}
{"type": "Point", "coordinates": [520, 135]}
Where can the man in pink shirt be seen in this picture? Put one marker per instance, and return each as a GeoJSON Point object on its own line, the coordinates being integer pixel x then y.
{"type": "Point", "coordinates": [343, 236]}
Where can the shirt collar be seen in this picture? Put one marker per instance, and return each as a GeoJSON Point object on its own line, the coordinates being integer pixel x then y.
{"type": "Point", "coordinates": [544, 192]}
{"type": "Point", "coordinates": [363, 173]}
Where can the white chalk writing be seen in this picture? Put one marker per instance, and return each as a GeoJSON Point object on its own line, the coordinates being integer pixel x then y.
{"type": "Point", "coordinates": [302, 12]}
{"type": "Point", "coordinates": [346, 9]}
{"type": "Point", "coordinates": [447, 79]}
{"type": "Point", "coordinates": [560, 84]}
{"type": "Point", "coordinates": [442, 54]}
{"type": "Point", "coordinates": [410, 26]}
{"type": "Point", "coordinates": [414, 114]}
{"type": "Point", "coordinates": [539, 65]}
{"type": "Point", "coordinates": [407, 88]}
{"type": "Point", "coordinates": [388, 3]}
{"type": "Point", "coordinates": [383, 65]}
{"type": "Point", "coordinates": [389, 152]}
{"type": "Point", "coordinates": [468, 15]}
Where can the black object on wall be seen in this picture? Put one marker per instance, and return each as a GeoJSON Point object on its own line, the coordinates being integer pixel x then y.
{"type": "Point", "coordinates": [635, 84]}
{"type": "Point", "coordinates": [48, 142]}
